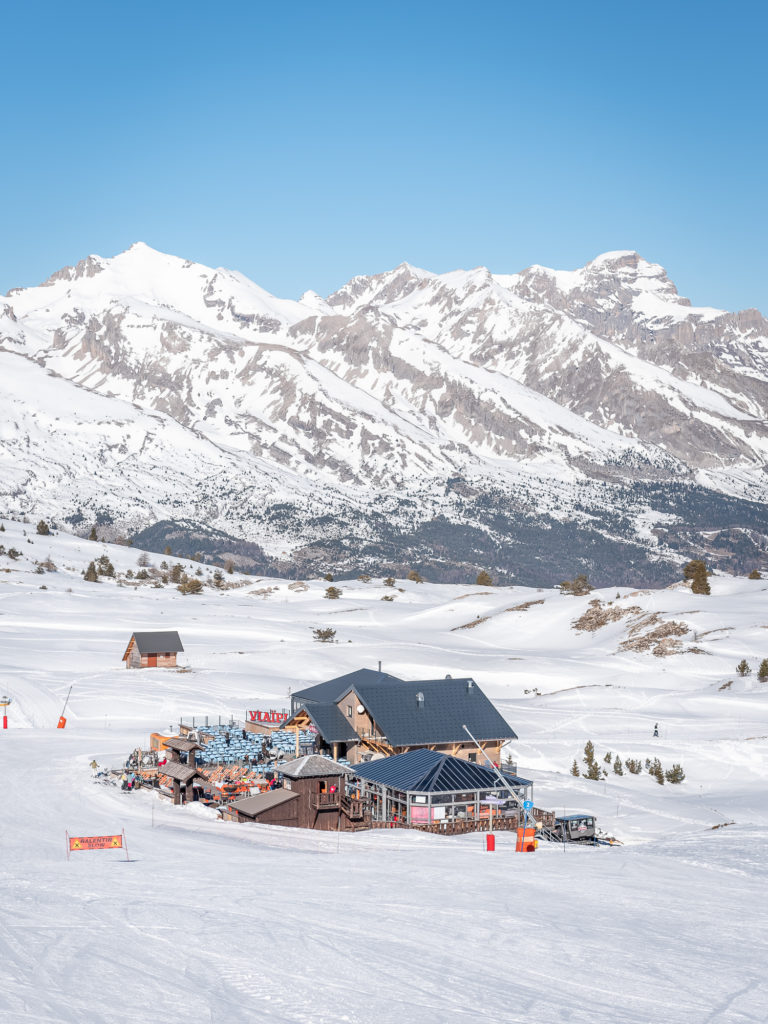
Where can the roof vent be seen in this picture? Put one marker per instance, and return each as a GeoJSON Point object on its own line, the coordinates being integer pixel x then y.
{"type": "Point", "coordinates": [470, 685]}
{"type": "Point", "coordinates": [420, 699]}
{"type": "Point", "coordinates": [448, 675]}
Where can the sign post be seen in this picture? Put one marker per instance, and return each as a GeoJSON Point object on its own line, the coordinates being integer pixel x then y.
{"type": "Point", "coordinates": [75, 843]}
{"type": "Point", "coordinates": [4, 704]}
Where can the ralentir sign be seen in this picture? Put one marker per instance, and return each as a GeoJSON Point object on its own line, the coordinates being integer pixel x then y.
{"type": "Point", "coordinates": [75, 843]}
{"type": "Point", "coordinates": [267, 717]}
{"type": "Point", "coordinates": [95, 842]}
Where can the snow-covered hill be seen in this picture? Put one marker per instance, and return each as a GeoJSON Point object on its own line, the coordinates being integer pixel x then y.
{"type": "Point", "coordinates": [455, 420]}
{"type": "Point", "coordinates": [239, 923]}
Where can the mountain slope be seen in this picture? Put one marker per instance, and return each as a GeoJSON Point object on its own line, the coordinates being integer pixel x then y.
{"type": "Point", "coordinates": [521, 421]}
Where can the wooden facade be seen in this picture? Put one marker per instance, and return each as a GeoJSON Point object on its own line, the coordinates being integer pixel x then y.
{"type": "Point", "coordinates": [315, 795]}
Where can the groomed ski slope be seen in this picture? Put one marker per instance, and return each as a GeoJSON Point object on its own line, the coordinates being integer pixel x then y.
{"type": "Point", "coordinates": [219, 922]}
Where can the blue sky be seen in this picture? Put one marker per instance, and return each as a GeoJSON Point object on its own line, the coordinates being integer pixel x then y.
{"type": "Point", "coordinates": [304, 143]}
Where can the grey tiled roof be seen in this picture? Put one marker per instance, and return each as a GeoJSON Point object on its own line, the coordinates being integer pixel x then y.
{"type": "Point", "coordinates": [332, 690]}
{"type": "Point", "coordinates": [331, 723]}
{"type": "Point", "coordinates": [448, 705]}
{"type": "Point", "coordinates": [158, 642]}
{"type": "Point", "coordinates": [312, 766]}
{"type": "Point", "coordinates": [254, 805]}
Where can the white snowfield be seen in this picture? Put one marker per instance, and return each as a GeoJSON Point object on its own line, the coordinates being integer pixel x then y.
{"type": "Point", "coordinates": [213, 921]}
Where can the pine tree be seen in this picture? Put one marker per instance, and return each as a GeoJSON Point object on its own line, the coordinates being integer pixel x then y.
{"type": "Point", "coordinates": [415, 577]}
{"type": "Point", "coordinates": [575, 768]}
{"type": "Point", "coordinates": [608, 757]}
{"type": "Point", "coordinates": [328, 577]}
{"type": "Point", "coordinates": [593, 771]}
{"type": "Point", "coordinates": [332, 593]}
{"type": "Point", "coordinates": [176, 572]}
{"type": "Point", "coordinates": [754, 575]}
{"type": "Point", "coordinates": [484, 579]}
{"type": "Point", "coordinates": [91, 575]}
{"type": "Point", "coordinates": [657, 771]}
{"type": "Point", "coordinates": [743, 668]}
{"type": "Point", "coordinates": [762, 672]}
{"type": "Point", "coordinates": [324, 636]}
{"type": "Point", "coordinates": [143, 560]}
{"type": "Point", "coordinates": [633, 767]}
{"type": "Point", "coordinates": [2, 528]}
{"type": "Point", "coordinates": [167, 550]}
{"type": "Point", "coordinates": [675, 775]}
{"type": "Point", "coordinates": [618, 767]}
{"type": "Point", "coordinates": [389, 581]}
{"type": "Point", "coordinates": [42, 528]}
{"type": "Point", "coordinates": [589, 752]}
{"type": "Point", "coordinates": [92, 534]}
{"type": "Point", "coordinates": [218, 578]}
{"type": "Point", "coordinates": [229, 565]}
{"type": "Point", "coordinates": [696, 572]}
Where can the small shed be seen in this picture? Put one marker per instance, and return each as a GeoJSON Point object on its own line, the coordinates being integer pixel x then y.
{"type": "Point", "coordinates": [156, 649]}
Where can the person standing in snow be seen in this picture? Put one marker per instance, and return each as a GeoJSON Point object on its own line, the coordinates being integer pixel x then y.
{"type": "Point", "coordinates": [656, 731]}
{"type": "Point", "coordinates": [95, 767]}
{"type": "Point", "coordinates": [124, 781]}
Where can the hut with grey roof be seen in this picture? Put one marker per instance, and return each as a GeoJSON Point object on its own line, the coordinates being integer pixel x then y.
{"type": "Point", "coordinates": [153, 649]}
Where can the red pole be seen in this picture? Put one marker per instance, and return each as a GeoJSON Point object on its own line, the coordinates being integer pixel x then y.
{"type": "Point", "coordinates": [5, 721]}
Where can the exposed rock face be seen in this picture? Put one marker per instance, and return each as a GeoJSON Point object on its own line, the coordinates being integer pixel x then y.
{"type": "Point", "coordinates": [510, 407]}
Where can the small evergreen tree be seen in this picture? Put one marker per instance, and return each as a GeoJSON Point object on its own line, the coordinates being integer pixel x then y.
{"type": "Point", "coordinates": [167, 550]}
{"type": "Point", "coordinates": [657, 771]}
{"type": "Point", "coordinates": [754, 575]}
{"type": "Point", "coordinates": [92, 534]}
{"type": "Point", "coordinates": [696, 572]}
{"type": "Point", "coordinates": [176, 573]}
{"type": "Point", "coordinates": [593, 771]}
{"type": "Point", "coordinates": [608, 757]}
{"type": "Point", "coordinates": [328, 577]}
{"type": "Point", "coordinates": [143, 560]}
{"type": "Point", "coordinates": [2, 528]}
{"type": "Point", "coordinates": [389, 581]}
{"type": "Point", "coordinates": [104, 566]}
{"type": "Point", "coordinates": [484, 579]}
{"type": "Point", "coordinates": [142, 574]}
{"type": "Point", "coordinates": [218, 578]}
{"type": "Point", "coordinates": [633, 767]}
{"type": "Point", "coordinates": [14, 554]}
{"type": "Point", "coordinates": [42, 528]}
{"type": "Point", "coordinates": [575, 768]}
{"type": "Point", "coordinates": [743, 668]}
{"type": "Point", "coordinates": [229, 565]}
{"type": "Point", "coordinates": [332, 593]}
{"type": "Point", "coordinates": [618, 767]}
{"type": "Point", "coordinates": [193, 586]}
{"type": "Point", "coordinates": [762, 672]}
{"type": "Point", "coordinates": [91, 575]}
{"type": "Point", "coordinates": [324, 636]}
{"type": "Point", "coordinates": [675, 775]}
{"type": "Point", "coordinates": [415, 577]}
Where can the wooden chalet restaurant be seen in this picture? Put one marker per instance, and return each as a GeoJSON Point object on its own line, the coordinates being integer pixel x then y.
{"type": "Point", "coordinates": [366, 714]}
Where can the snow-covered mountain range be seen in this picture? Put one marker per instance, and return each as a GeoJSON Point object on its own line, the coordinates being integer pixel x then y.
{"type": "Point", "coordinates": [537, 424]}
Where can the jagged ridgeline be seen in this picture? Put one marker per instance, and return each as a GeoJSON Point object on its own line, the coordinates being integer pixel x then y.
{"type": "Point", "coordinates": [536, 425]}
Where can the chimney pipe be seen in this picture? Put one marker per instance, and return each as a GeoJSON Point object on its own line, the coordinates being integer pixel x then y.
{"type": "Point", "coordinates": [379, 666]}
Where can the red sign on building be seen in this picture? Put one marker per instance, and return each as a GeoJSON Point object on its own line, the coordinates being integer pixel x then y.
{"type": "Point", "coordinates": [267, 717]}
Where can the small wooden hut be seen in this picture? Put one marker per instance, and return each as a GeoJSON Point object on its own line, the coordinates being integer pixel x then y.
{"type": "Point", "coordinates": [157, 649]}
{"type": "Point", "coordinates": [314, 795]}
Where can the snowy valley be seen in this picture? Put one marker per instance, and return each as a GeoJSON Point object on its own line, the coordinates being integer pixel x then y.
{"type": "Point", "coordinates": [228, 922]}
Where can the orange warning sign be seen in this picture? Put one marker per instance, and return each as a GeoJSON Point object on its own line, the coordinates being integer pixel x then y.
{"type": "Point", "coordinates": [95, 842]}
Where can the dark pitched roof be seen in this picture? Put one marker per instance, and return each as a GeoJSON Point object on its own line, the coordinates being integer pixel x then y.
{"type": "Point", "coordinates": [158, 642]}
{"type": "Point", "coordinates": [448, 705]}
{"type": "Point", "coordinates": [334, 689]}
{"type": "Point", "coordinates": [181, 743]}
{"type": "Point", "coordinates": [312, 766]}
{"type": "Point", "coordinates": [255, 805]}
{"type": "Point", "coordinates": [428, 771]}
{"type": "Point", "coordinates": [178, 771]}
{"type": "Point", "coordinates": [329, 722]}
